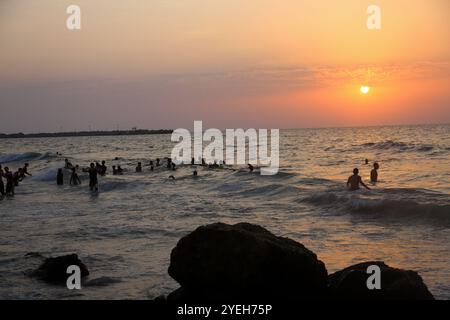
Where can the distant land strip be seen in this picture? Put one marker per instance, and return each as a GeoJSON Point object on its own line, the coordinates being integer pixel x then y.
{"type": "Point", "coordinates": [133, 132]}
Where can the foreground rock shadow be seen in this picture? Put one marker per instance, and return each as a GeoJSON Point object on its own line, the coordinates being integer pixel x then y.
{"type": "Point", "coordinates": [245, 262]}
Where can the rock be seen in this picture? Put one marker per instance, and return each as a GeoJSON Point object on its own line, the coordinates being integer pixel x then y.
{"type": "Point", "coordinates": [396, 284]}
{"type": "Point", "coordinates": [160, 298]}
{"type": "Point", "coordinates": [34, 255]}
{"type": "Point", "coordinates": [54, 270]}
{"type": "Point", "coordinates": [221, 261]}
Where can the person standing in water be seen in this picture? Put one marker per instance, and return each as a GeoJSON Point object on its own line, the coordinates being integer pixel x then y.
{"type": "Point", "coordinates": [17, 177]}
{"type": "Point", "coordinates": [74, 179]}
{"type": "Point", "coordinates": [103, 168]}
{"type": "Point", "coordinates": [98, 167]}
{"type": "Point", "coordinates": [9, 190]}
{"type": "Point", "coordinates": [139, 167]}
{"type": "Point", "coordinates": [2, 186]}
{"type": "Point", "coordinates": [25, 171]}
{"type": "Point", "coordinates": [374, 173]}
{"type": "Point", "coordinates": [355, 180]}
{"type": "Point", "coordinates": [60, 177]}
{"type": "Point", "coordinates": [93, 180]}
{"type": "Point", "coordinates": [67, 164]}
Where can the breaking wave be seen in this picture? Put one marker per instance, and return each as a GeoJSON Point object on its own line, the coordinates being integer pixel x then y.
{"type": "Point", "coordinates": [388, 206]}
{"type": "Point", "coordinates": [13, 157]}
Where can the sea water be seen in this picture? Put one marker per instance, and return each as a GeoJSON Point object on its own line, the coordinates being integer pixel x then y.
{"type": "Point", "coordinates": [125, 233]}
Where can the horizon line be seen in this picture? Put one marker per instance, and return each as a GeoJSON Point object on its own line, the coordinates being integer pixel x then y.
{"type": "Point", "coordinates": [136, 130]}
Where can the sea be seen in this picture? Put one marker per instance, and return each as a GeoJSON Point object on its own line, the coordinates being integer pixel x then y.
{"type": "Point", "coordinates": [125, 233]}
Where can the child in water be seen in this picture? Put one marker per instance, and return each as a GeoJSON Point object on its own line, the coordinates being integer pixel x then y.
{"type": "Point", "coordinates": [355, 180]}
{"type": "Point", "coordinates": [374, 173]}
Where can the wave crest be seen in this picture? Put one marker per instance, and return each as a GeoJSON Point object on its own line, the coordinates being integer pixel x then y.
{"type": "Point", "coordinates": [13, 157]}
{"type": "Point", "coordinates": [388, 207]}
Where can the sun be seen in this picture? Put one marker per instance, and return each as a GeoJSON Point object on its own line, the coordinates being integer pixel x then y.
{"type": "Point", "coordinates": [364, 89]}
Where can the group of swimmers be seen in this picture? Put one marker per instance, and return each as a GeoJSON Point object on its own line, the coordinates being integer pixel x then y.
{"type": "Point", "coordinates": [12, 179]}
{"type": "Point", "coordinates": [355, 180]}
{"type": "Point", "coordinates": [95, 169]}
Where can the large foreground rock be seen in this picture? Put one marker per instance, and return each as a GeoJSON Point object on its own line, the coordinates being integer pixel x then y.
{"type": "Point", "coordinates": [54, 270]}
{"type": "Point", "coordinates": [396, 284]}
{"type": "Point", "coordinates": [221, 261]}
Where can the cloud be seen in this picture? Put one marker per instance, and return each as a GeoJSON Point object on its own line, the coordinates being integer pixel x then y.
{"type": "Point", "coordinates": [304, 77]}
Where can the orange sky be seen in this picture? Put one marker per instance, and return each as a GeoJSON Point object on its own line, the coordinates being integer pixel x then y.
{"type": "Point", "coordinates": [165, 63]}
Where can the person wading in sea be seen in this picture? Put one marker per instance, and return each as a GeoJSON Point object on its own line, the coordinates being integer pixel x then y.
{"type": "Point", "coordinates": [355, 180]}
{"type": "Point", "coordinates": [93, 180]}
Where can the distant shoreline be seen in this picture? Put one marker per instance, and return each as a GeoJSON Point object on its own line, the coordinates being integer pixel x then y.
{"type": "Point", "coordinates": [85, 134]}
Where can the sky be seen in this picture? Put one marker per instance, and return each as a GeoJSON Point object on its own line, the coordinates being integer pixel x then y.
{"type": "Point", "coordinates": [231, 63]}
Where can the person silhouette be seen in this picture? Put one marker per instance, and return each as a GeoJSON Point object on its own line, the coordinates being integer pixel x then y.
{"type": "Point", "coordinates": [93, 179]}
{"type": "Point", "coordinates": [9, 189]}
{"type": "Point", "coordinates": [74, 179]}
{"type": "Point", "coordinates": [25, 171]}
{"type": "Point", "coordinates": [374, 172]}
{"type": "Point", "coordinates": [355, 180]}
{"type": "Point", "coordinates": [2, 186]}
{"type": "Point", "coordinates": [60, 177]}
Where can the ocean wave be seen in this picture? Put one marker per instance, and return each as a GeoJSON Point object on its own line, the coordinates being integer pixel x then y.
{"type": "Point", "coordinates": [389, 207]}
{"type": "Point", "coordinates": [13, 157]}
{"type": "Point", "coordinates": [243, 171]}
{"type": "Point", "coordinates": [118, 185]}
{"type": "Point", "coordinates": [273, 189]}
{"type": "Point", "coordinates": [46, 175]}
{"type": "Point", "coordinates": [47, 155]}
{"type": "Point", "coordinates": [398, 146]}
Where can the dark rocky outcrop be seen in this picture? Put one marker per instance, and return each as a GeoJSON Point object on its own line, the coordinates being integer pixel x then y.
{"type": "Point", "coordinates": [396, 284]}
{"type": "Point", "coordinates": [245, 262]}
{"type": "Point", "coordinates": [223, 262]}
{"type": "Point", "coordinates": [54, 270]}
